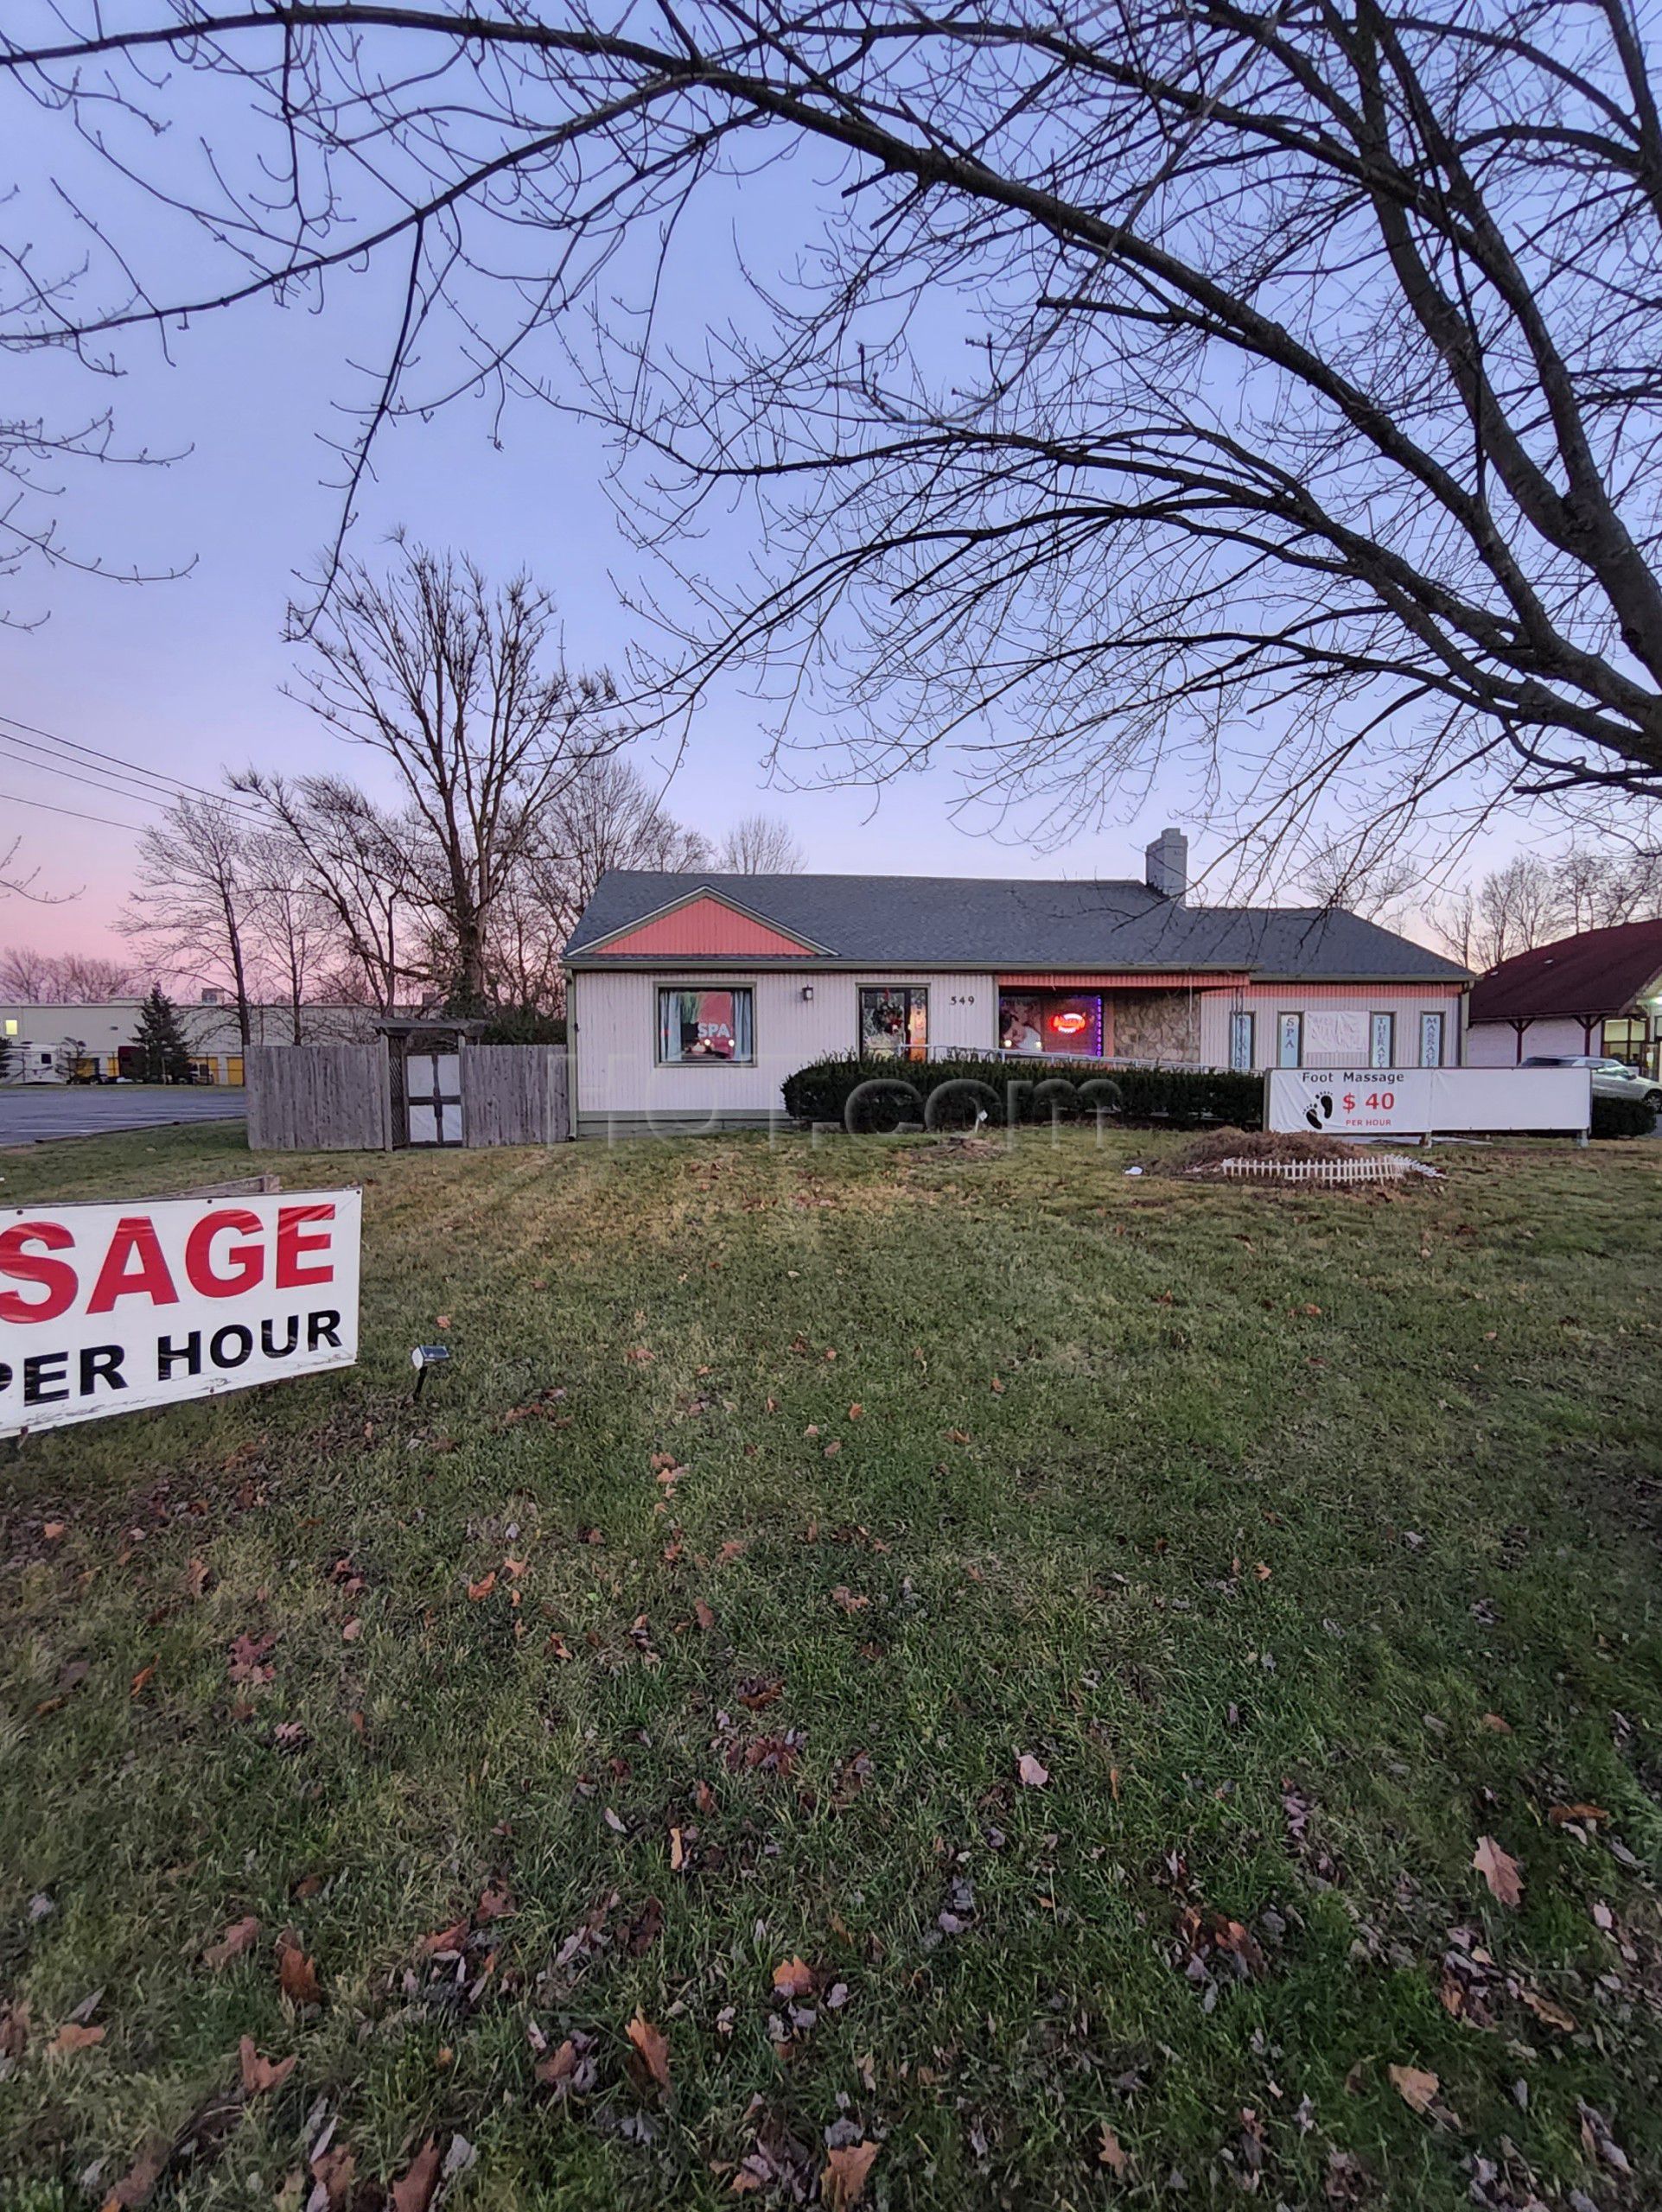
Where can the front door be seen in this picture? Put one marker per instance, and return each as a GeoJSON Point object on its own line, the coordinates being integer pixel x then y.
{"type": "Point", "coordinates": [432, 1092]}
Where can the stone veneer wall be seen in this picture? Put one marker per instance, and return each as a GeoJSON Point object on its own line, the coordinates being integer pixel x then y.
{"type": "Point", "coordinates": [1157, 1026]}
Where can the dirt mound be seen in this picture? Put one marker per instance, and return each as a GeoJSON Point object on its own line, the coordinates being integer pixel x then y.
{"type": "Point", "coordinates": [1207, 1152]}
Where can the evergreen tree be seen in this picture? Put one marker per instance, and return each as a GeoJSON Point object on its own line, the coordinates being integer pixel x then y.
{"type": "Point", "coordinates": [5, 1056]}
{"type": "Point", "coordinates": [162, 1055]}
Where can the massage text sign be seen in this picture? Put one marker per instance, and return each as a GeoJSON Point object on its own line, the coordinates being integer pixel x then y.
{"type": "Point", "coordinates": [104, 1309]}
{"type": "Point", "coordinates": [1414, 1101]}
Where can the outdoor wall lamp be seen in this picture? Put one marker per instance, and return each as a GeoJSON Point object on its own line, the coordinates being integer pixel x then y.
{"type": "Point", "coordinates": [807, 990]}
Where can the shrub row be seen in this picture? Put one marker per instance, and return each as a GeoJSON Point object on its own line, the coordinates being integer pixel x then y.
{"type": "Point", "coordinates": [867, 1096]}
{"type": "Point", "coordinates": [1621, 1117]}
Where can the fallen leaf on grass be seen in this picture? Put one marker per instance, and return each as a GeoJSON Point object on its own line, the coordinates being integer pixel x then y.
{"type": "Point", "coordinates": [705, 1615]}
{"type": "Point", "coordinates": [1031, 1774]}
{"type": "Point", "coordinates": [1414, 2086]}
{"type": "Point", "coordinates": [1111, 2152]}
{"type": "Point", "coordinates": [72, 2037]}
{"type": "Point", "coordinates": [144, 1675]}
{"type": "Point", "coordinates": [1500, 1871]}
{"type": "Point", "coordinates": [296, 1974]}
{"type": "Point", "coordinates": [793, 1978]}
{"type": "Point", "coordinates": [845, 1600]}
{"type": "Point", "coordinates": [444, 1321]}
{"type": "Point", "coordinates": [1493, 1722]}
{"type": "Point", "coordinates": [413, 2190]}
{"type": "Point", "coordinates": [1553, 2015]}
{"type": "Point", "coordinates": [248, 1660]}
{"type": "Point", "coordinates": [654, 2050]}
{"type": "Point", "coordinates": [238, 1938]}
{"type": "Point", "coordinates": [843, 2183]}
{"type": "Point", "coordinates": [483, 1587]}
{"type": "Point", "coordinates": [137, 2185]}
{"type": "Point", "coordinates": [54, 1530]}
{"type": "Point", "coordinates": [352, 1630]}
{"type": "Point", "coordinates": [856, 1413]}
{"type": "Point", "coordinates": [333, 2171]}
{"type": "Point", "coordinates": [638, 1355]}
{"type": "Point", "coordinates": [1560, 1815]}
{"type": "Point", "coordinates": [196, 1573]}
{"type": "Point", "coordinates": [260, 2075]}
{"type": "Point", "coordinates": [759, 1691]}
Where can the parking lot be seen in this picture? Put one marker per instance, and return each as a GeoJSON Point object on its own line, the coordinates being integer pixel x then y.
{"type": "Point", "coordinates": [33, 1113]}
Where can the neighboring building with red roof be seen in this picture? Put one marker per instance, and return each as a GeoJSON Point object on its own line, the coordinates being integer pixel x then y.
{"type": "Point", "coordinates": [1600, 992]}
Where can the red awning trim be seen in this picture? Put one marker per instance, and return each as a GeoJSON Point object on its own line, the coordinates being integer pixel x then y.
{"type": "Point", "coordinates": [1138, 980]}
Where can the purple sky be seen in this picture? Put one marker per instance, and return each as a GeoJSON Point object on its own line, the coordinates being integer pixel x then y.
{"type": "Point", "coordinates": [186, 675]}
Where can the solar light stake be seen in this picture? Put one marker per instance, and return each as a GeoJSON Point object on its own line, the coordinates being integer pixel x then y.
{"type": "Point", "coordinates": [426, 1355]}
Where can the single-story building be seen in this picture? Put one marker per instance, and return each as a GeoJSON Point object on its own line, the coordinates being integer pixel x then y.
{"type": "Point", "coordinates": [693, 996]}
{"type": "Point", "coordinates": [1598, 993]}
{"type": "Point", "coordinates": [64, 1043]}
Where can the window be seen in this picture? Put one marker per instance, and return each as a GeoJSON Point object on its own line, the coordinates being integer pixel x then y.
{"type": "Point", "coordinates": [894, 1018]}
{"type": "Point", "coordinates": [1240, 1041]}
{"type": "Point", "coordinates": [1063, 1022]}
{"type": "Point", "coordinates": [1381, 1039]}
{"type": "Point", "coordinates": [1290, 1041]}
{"type": "Point", "coordinates": [11, 1029]}
{"type": "Point", "coordinates": [695, 1025]}
{"type": "Point", "coordinates": [1625, 1040]}
{"type": "Point", "coordinates": [1431, 1041]}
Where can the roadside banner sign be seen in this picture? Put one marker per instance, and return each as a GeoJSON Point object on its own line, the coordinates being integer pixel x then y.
{"type": "Point", "coordinates": [1416, 1101]}
{"type": "Point", "coordinates": [107, 1309]}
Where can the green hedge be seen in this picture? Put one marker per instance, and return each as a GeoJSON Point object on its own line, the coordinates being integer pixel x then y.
{"type": "Point", "coordinates": [892, 1091]}
{"type": "Point", "coordinates": [1621, 1117]}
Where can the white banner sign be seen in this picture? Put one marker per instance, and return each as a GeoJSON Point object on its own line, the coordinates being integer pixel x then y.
{"type": "Point", "coordinates": [104, 1309]}
{"type": "Point", "coordinates": [1416, 1101]}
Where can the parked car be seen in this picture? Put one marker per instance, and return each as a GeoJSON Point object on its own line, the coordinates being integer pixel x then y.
{"type": "Point", "coordinates": [1611, 1078]}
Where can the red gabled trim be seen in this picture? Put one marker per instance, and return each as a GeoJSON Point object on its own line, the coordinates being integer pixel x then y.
{"type": "Point", "coordinates": [703, 924]}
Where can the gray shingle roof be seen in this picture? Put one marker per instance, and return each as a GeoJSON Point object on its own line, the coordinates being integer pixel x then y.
{"type": "Point", "coordinates": [977, 922]}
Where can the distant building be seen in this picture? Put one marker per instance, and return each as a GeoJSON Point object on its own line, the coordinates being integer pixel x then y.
{"type": "Point", "coordinates": [1598, 992]}
{"type": "Point", "coordinates": [84, 1044]}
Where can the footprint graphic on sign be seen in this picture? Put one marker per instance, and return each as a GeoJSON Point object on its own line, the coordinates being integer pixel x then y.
{"type": "Point", "coordinates": [1321, 1111]}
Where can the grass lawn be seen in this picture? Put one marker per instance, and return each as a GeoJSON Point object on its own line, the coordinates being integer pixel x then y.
{"type": "Point", "coordinates": [674, 1665]}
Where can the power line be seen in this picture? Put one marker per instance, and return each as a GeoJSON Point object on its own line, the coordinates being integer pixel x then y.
{"type": "Point", "coordinates": [106, 783]}
{"type": "Point", "coordinates": [173, 784]}
{"type": "Point", "coordinates": [75, 814]}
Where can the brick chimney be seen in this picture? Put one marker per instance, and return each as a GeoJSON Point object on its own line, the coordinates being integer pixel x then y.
{"type": "Point", "coordinates": [1165, 866]}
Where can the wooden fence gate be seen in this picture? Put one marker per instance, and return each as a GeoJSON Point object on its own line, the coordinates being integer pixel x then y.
{"type": "Point", "coordinates": [339, 1098]}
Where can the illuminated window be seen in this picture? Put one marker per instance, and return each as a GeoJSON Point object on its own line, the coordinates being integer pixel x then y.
{"type": "Point", "coordinates": [893, 1019]}
{"type": "Point", "coordinates": [11, 1029]}
{"type": "Point", "coordinates": [1625, 1039]}
{"type": "Point", "coordinates": [1062, 1022]}
{"type": "Point", "coordinates": [695, 1025]}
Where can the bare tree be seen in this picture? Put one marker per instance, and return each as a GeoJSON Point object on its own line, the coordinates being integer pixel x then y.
{"type": "Point", "coordinates": [64, 978]}
{"type": "Point", "coordinates": [361, 864]}
{"type": "Point", "coordinates": [761, 845]}
{"type": "Point", "coordinates": [199, 902]}
{"type": "Point", "coordinates": [460, 688]}
{"type": "Point", "coordinates": [292, 915]}
{"type": "Point", "coordinates": [1141, 378]}
{"type": "Point", "coordinates": [607, 816]}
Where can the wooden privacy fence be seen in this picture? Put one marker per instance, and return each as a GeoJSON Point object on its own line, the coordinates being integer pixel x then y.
{"type": "Point", "coordinates": [339, 1098]}
{"type": "Point", "coordinates": [513, 1094]}
{"type": "Point", "coordinates": [318, 1098]}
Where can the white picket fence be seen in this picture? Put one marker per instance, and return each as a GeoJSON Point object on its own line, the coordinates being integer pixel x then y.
{"type": "Point", "coordinates": [1382, 1167]}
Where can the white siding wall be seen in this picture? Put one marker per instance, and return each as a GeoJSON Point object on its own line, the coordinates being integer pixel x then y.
{"type": "Point", "coordinates": [1266, 1001]}
{"type": "Point", "coordinates": [616, 1034]}
{"type": "Point", "coordinates": [1494, 1043]}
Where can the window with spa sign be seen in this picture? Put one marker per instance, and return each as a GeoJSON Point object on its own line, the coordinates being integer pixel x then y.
{"type": "Point", "coordinates": [696, 1026]}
